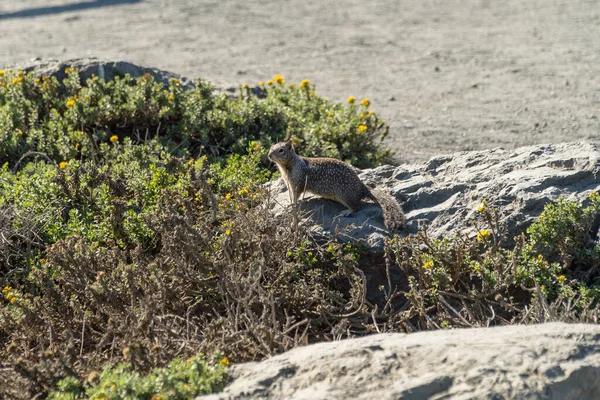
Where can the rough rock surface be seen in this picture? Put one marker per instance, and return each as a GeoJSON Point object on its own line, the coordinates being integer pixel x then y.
{"type": "Point", "coordinates": [551, 361]}
{"type": "Point", "coordinates": [104, 69]}
{"type": "Point", "coordinates": [445, 191]}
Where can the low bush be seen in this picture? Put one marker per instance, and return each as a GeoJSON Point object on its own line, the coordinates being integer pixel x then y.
{"type": "Point", "coordinates": [550, 273]}
{"type": "Point", "coordinates": [68, 120]}
{"type": "Point", "coordinates": [179, 380]}
{"type": "Point", "coordinates": [114, 239]}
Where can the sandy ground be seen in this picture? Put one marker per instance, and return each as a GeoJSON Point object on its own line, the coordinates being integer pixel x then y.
{"type": "Point", "coordinates": [447, 75]}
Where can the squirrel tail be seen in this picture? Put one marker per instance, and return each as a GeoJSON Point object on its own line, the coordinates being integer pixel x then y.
{"type": "Point", "coordinates": [393, 216]}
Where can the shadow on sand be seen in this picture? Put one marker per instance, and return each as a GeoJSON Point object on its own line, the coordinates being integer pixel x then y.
{"type": "Point", "coordinates": [40, 11]}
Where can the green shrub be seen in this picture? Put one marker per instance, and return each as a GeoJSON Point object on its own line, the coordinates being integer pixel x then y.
{"type": "Point", "coordinates": [69, 120]}
{"type": "Point", "coordinates": [474, 281]}
{"type": "Point", "coordinates": [142, 248]}
{"type": "Point", "coordinates": [179, 380]}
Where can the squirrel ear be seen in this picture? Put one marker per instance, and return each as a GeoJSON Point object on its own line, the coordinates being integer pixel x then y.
{"type": "Point", "coordinates": [289, 144]}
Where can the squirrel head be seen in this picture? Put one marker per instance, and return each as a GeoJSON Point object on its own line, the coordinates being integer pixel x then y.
{"type": "Point", "coordinates": [282, 153]}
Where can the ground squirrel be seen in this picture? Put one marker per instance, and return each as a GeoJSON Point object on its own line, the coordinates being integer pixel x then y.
{"type": "Point", "coordinates": [332, 179]}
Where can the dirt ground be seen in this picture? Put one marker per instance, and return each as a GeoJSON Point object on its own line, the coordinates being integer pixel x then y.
{"type": "Point", "coordinates": [447, 75]}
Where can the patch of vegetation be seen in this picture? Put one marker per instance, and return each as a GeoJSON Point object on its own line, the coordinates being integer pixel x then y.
{"type": "Point", "coordinates": [69, 120]}
{"type": "Point", "coordinates": [114, 237]}
{"type": "Point", "coordinates": [135, 231]}
{"type": "Point", "coordinates": [179, 380]}
{"type": "Point", "coordinates": [550, 273]}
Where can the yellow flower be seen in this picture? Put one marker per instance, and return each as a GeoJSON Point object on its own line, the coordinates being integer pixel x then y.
{"type": "Point", "coordinates": [71, 102]}
{"type": "Point", "coordinates": [19, 132]}
{"type": "Point", "coordinates": [561, 278]}
{"type": "Point", "coordinates": [304, 83]}
{"type": "Point", "coordinates": [365, 102]}
{"type": "Point", "coordinates": [17, 80]}
{"type": "Point", "coordinates": [157, 397]}
{"type": "Point", "coordinates": [261, 83]}
{"type": "Point", "coordinates": [69, 70]}
{"type": "Point", "coordinates": [483, 235]}
{"type": "Point", "coordinates": [175, 82]}
{"type": "Point", "coordinates": [269, 82]}
{"type": "Point", "coordinates": [93, 377]}
{"type": "Point", "coordinates": [36, 80]}
{"type": "Point", "coordinates": [362, 128]}
{"type": "Point", "coordinates": [191, 162]}
{"type": "Point", "coordinates": [80, 133]}
{"type": "Point", "coordinates": [20, 72]}
{"type": "Point", "coordinates": [363, 114]}
{"type": "Point", "coordinates": [114, 139]}
{"type": "Point", "coordinates": [351, 100]}
{"type": "Point", "coordinates": [428, 264]}
{"type": "Point", "coordinates": [245, 86]}
{"type": "Point", "coordinates": [2, 72]}
{"type": "Point", "coordinates": [371, 112]}
{"type": "Point", "coordinates": [76, 146]}
{"type": "Point", "coordinates": [224, 361]}
{"type": "Point", "coordinates": [228, 232]}
{"type": "Point", "coordinates": [279, 79]}
{"type": "Point", "coordinates": [6, 289]}
{"type": "Point", "coordinates": [63, 164]}
{"type": "Point", "coordinates": [481, 207]}
{"type": "Point", "coordinates": [165, 91]}
{"type": "Point", "coordinates": [171, 97]}
{"type": "Point", "coordinates": [13, 300]}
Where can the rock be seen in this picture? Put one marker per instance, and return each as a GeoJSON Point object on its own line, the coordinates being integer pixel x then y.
{"type": "Point", "coordinates": [103, 69]}
{"type": "Point", "coordinates": [444, 192]}
{"type": "Point", "coordinates": [551, 361]}
{"type": "Point", "coordinates": [108, 70]}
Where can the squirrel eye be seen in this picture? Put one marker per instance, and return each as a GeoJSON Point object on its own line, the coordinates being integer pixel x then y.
{"type": "Point", "coordinates": [281, 150]}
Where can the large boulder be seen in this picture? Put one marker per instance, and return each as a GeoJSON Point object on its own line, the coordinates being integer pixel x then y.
{"type": "Point", "coordinates": [551, 361]}
{"type": "Point", "coordinates": [109, 70]}
{"type": "Point", "coordinates": [444, 192]}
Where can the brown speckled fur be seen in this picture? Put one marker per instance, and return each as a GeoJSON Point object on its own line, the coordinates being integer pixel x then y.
{"type": "Point", "coordinates": [332, 179]}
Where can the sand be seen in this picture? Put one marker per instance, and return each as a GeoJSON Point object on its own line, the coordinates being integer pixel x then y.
{"type": "Point", "coordinates": [446, 75]}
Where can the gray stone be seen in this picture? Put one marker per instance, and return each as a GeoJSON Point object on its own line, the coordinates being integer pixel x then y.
{"type": "Point", "coordinates": [107, 70]}
{"type": "Point", "coordinates": [551, 361]}
{"type": "Point", "coordinates": [444, 192]}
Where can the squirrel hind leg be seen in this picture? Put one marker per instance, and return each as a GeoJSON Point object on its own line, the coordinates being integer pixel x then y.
{"type": "Point", "coordinates": [351, 206]}
{"type": "Point", "coordinates": [345, 213]}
